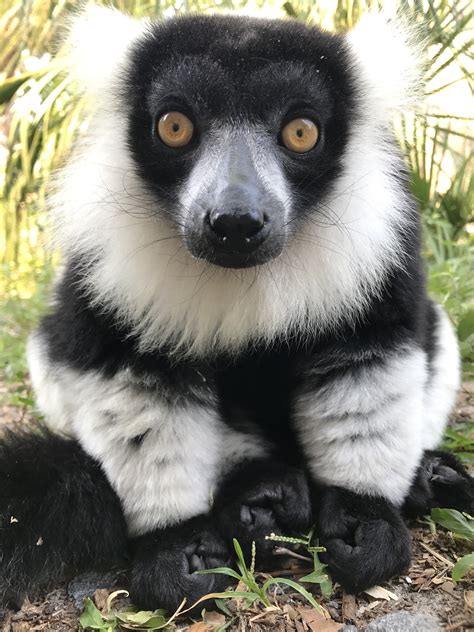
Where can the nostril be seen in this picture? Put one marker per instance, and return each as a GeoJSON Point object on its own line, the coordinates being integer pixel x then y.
{"type": "Point", "coordinates": [236, 224]}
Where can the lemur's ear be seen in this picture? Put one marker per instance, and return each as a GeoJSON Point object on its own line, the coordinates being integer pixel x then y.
{"type": "Point", "coordinates": [389, 56]}
{"type": "Point", "coordinates": [96, 46]}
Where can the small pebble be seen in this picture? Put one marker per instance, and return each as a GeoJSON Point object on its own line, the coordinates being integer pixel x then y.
{"type": "Point", "coordinates": [404, 622]}
{"type": "Point", "coordinates": [86, 584]}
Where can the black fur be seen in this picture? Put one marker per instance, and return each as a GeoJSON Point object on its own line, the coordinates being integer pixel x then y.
{"type": "Point", "coordinates": [365, 538]}
{"type": "Point", "coordinates": [164, 565]}
{"type": "Point", "coordinates": [259, 498]}
{"type": "Point", "coordinates": [441, 481]}
{"type": "Point", "coordinates": [58, 513]}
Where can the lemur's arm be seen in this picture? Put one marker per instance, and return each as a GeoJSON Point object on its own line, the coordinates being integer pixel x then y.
{"type": "Point", "coordinates": [366, 410]}
{"type": "Point", "coordinates": [360, 427]}
{"type": "Point", "coordinates": [360, 424]}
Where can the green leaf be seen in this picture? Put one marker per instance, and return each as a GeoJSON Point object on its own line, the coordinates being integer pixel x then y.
{"type": "Point", "coordinates": [11, 85]}
{"type": "Point", "coordinates": [317, 577]}
{"type": "Point", "coordinates": [144, 619]}
{"type": "Point", "coordinates": [289, 582]}
{"type": "Point", "coordinates": [230, 594]}
{"type": "Point", "coordinates": [462, 567]}
{"type": "Point", "coordinates": [222, 570]}
{"type": "Point", "coordinates": [289, 10]}
{"type": "Point", "coordinates": [454, 521]}
{"type": "Point", "coordinates": [466, 325]}
{"type": "Point", "coordinates": [220, 603]}
{"type": "Point", "coordinates": [91, 617]}
{"type": "Point", "coordinates": [247, 577]}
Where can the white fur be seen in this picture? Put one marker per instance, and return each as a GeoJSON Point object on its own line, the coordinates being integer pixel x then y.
{"type": "Point", "coordinates": [389, 56]}
{"type": "Point", "coordinates": [364, 430]}
{"type": "Point", "coordinates": [443, 382]}
{"type": "Point", "coordinates": [172, 474]}
{"type": "Point", "coordinates": [97, 45]}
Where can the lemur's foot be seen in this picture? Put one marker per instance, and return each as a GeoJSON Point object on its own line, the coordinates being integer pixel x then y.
{"type": "Point", "coordinates": [366, 539]}
{"type": "Point", "coordinates": [165, 564]}
{"type": "Point", "coordinates": [260, 499]}
{"type": "Point", "coordinates": [441, 481]}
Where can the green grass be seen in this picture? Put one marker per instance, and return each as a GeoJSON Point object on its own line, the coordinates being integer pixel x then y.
{"type": "Point", "coordinates": [253, 592]}
{"type": "Point", "coordinates": [18, 316]}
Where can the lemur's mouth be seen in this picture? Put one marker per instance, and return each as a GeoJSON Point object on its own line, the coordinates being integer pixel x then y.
{"type": "Point", "coordinates": [236, 260]}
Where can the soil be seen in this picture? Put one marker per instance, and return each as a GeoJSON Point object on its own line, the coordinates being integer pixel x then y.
{"type": "Point", "coordinates": [425, 589]}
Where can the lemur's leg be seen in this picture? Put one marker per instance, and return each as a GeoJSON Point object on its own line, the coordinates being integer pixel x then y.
{"type": "Point", "coordinates": [361, 429]}
{"type": "Point", "coordinates": [58, 513]}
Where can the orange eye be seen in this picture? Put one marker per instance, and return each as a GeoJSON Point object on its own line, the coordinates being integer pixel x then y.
{"type": "Point", "coordinates": [175, 129]}
{"type": "Point", "coordinates": [300, 135]}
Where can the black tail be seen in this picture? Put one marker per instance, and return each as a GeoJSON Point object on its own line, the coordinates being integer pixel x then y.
{"type": "Point", "coordinates": [58, 513]}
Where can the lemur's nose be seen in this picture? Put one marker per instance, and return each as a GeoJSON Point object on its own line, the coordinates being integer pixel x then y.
{"type": "Point", "coordinates": [237, 229]}
{"type": "Point", "coordinates": [236, 224]}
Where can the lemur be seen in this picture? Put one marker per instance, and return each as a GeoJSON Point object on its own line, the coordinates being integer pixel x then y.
{"type": "Point", "coordinates": [240, 341]}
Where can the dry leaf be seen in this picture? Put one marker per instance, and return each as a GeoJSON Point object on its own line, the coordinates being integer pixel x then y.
{"type": "Point", "coordinates": [378, 592]}
{"type": "Point", "coordinates": [310, 615]}
{"type": "Point", "coordinates": [317, 622]}
{"type": "Point", "coordinates": [469, 600]}
{"type": "Point", "coordinates": [291, 612]}
{"type": "Point", "coordinates": [449, 588]}
{"type": "Point", "coordinates": [215, 619]}
{"type": "Point", "coordinates": [200, 626]}
{"type": "Point", "coordinates": [100, 598]}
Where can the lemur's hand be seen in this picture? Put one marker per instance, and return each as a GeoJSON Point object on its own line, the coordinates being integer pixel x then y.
{"type": "Point", "coordinates": [366, 540]}
{"type": "Point", "coordinates": [165, 564]}
{"type": "Point", "coordinates": [261, 498]}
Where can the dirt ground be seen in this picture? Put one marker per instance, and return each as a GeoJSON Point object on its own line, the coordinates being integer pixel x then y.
{"type": "Point", "coordinates": [425, 589]}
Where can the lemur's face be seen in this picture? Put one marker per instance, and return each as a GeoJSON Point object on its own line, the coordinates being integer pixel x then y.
{"type": "Point", "coordinates": [238, 128]}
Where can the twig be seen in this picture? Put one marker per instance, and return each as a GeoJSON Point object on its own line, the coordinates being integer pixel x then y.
{"type": "Point", "coordinates": [461, 624]}
{"type": "Point", "coordinates": [284, 572]}
{"type": "Point", "coordinates": [436, 554]}
{"type": "Point", "coordinates": [280, 550]}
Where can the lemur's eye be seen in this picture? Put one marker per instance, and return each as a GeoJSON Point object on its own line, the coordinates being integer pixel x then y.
{"type": "Point", "coordinates": [300, 135]}
{"type": "Point", "coordinates": [175, 129]}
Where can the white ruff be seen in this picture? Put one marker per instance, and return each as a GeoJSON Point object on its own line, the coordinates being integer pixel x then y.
{"type": "Point", "coordinates": [326, 273]}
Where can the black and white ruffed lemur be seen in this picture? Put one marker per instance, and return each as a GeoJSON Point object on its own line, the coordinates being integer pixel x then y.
{"type": "Point", "coordinates": [240, 340]}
